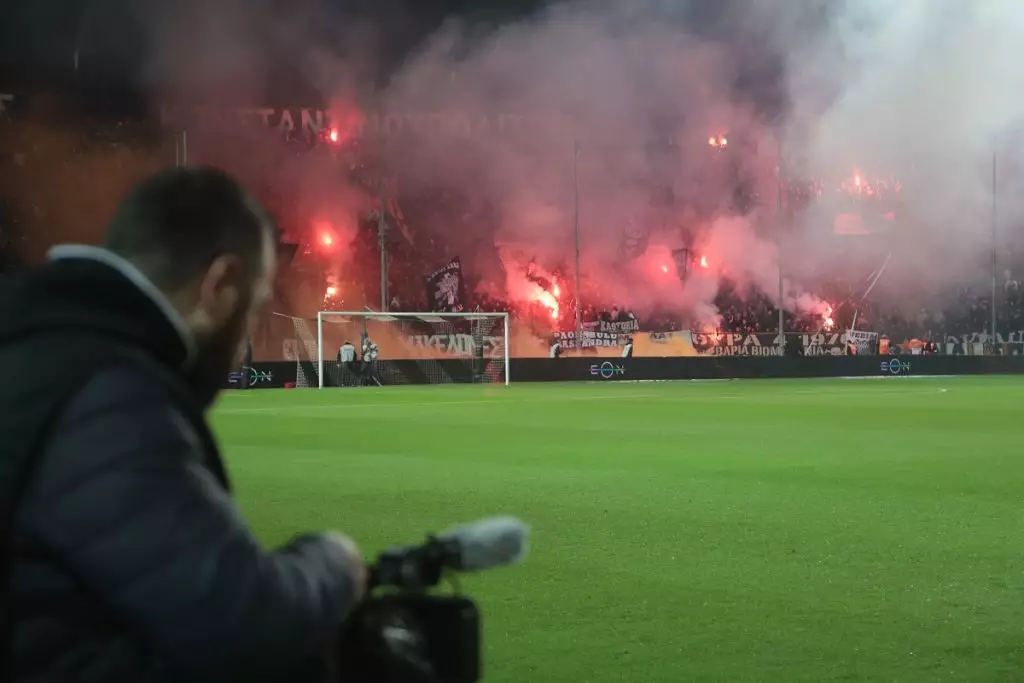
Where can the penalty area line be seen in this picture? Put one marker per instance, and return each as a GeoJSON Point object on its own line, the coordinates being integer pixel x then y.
{"type": "Point", "coordinates": [306, 409]}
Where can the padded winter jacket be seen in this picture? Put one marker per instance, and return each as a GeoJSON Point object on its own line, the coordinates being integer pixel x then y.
{"type": "Point", "coordinates": [128, 559]}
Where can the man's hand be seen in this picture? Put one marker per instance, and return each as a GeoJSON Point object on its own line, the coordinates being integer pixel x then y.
{"type": "Point", "coordinates": [355, 561]}
{"type": "Point", "coordinates": [359, 575]}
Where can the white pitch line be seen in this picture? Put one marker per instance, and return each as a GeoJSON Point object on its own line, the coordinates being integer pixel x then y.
{"type": "Point", "coordinates": [335, 407]}
{"type": "Point", "coordinates": [401, 404]}
{"type": "Point", "coordinates": [866, 392]}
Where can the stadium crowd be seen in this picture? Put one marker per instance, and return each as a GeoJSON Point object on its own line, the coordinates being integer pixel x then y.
{"type": "Point", "coordinates": [442, 224]}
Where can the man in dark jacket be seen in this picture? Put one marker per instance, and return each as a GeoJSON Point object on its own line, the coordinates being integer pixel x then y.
{"type": "Point", "coordinates": [126, 558]}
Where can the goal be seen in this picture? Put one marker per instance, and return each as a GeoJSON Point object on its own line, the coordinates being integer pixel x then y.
{"type": "Point", "coordinates": [412, 348]}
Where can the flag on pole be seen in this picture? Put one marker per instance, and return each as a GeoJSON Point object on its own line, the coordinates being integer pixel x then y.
{"type": "Point", "coordinates": [396, 211]}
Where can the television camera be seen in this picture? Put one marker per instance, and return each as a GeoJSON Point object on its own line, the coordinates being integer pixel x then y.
{"type": "Point", "coordinates": [403, 633]}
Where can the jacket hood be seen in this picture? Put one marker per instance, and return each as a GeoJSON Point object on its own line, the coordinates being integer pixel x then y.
{"type": "Point", "coordinates": [82, 294]}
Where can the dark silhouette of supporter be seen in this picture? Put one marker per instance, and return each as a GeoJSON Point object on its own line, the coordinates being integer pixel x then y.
{"type": "Point", "coordinates": [126, 558]}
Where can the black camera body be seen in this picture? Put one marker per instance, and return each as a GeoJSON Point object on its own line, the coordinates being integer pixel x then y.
{"type": "Point", "coordinates": [403, 634]}
{"type": "Point", "coordinates": [412, 637]}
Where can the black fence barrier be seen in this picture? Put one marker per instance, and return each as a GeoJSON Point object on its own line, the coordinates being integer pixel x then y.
{"type": "Point", "coordinates": [279, 374]}
{"type": "Point", "coordinates": [740, 367]}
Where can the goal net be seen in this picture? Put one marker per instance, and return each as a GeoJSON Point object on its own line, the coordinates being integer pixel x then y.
{"type": "Point", "coordinates": [409, 348]}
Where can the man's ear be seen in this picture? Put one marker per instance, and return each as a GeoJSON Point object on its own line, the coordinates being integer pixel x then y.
{"type": "Point", "coordinates": [221, 287]}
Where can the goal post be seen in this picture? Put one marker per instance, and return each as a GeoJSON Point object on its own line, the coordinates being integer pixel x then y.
{"type": "Point", "coordinates": [412, 348]}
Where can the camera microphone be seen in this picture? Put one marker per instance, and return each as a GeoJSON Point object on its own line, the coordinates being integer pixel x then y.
{"type": "Point", "coordinates": [486, 544]}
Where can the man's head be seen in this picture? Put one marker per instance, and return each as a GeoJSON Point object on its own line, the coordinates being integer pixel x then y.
{"type": "Point", "coordinates": [210, 248]}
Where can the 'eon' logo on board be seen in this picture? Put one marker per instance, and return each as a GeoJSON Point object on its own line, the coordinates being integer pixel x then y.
{"type": "Point", "coordinates": [895, 367]}
{"type": "Point", "coordinates": [607, 370]}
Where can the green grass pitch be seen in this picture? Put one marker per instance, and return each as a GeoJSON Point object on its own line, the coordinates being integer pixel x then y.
{"type": "Point", "coordinates": [731, 531]}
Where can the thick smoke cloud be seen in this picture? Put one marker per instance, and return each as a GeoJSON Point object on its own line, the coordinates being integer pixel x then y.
{"type": "Point", "coordinates": [921, 90]}
{"type": "Point", "coordinates": [925, 91]}
{"type": "Point", "coordinates": [638, 98]}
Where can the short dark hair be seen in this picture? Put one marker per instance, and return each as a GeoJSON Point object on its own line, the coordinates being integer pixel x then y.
{"type": "Point", "coordinates": [175, 223]}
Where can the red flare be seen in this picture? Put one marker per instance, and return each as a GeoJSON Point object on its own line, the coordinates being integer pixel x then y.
{"type": "Point", "coordinates": [545, 299]}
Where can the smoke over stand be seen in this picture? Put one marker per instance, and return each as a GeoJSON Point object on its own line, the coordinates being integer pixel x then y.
{"type": "Point", "coordinates": [566, 123]}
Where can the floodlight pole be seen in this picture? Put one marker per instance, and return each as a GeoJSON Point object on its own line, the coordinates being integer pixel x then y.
{"type": "Point", "coordinates": [779, 205]}
{"type": "Point", "coordinates": [382, 230]}
{"type": "Point", "coordinates": [576, 231]}
{"type": "Point", "coordinates": [995, 230]}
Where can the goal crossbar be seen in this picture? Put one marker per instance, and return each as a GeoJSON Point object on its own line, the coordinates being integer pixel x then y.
{"type": "Point", "coordinates": [473, 315]}
{"type": "Point", "coordinates": [322, 317]}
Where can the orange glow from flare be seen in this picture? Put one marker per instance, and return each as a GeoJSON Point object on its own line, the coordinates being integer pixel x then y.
{"type": "Point", "coordinates": [324, 236]}
{"type": "Point", "coordinates": [703, 261]}
{"type": "Point", "coordinates": [547, 300]}
{"type": "Point", "coordinates": [556, 291]}
{"type": "Point", "coordinates": [664, 269]}
{"type": "Point", "coordinates": [826, 320]}
{"type": "Point", "coordinates": [333, 135]}
{"type": "Point", "coordinates": [331, 291]}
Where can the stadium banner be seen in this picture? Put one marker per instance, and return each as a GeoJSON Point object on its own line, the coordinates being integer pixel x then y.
{"type": "Point", "coordinates": [765, 344]}
{"type": "Point", "coordinates": [312, 121]}
{"type": "Point", "coordinates": [866, 342]}
{"type": "Point", "coordinates": [602, 334]}
{"type": "Point", "coordinates": [858, 336]}
{"type": "Point", "coordinates": [590, 339]}
{"type": "Point", "coordinates": [440, 339]}
{"type": "Point", "coordinates": [980, 343]}
{"type": "Point", "coordinates": [712, 344]}
{"type": "Point", "coordinates": [457, 344]}
{"type": "Point", "coordinates": [1015, 337]}
{"type": "Point", "coordinates": [630, 326]}
{"type": "Point", "coordinates": [609, 339]}
{"type": "Point", "coordinates": [445, 288]}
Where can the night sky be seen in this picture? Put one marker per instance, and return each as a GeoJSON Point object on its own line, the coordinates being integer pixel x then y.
{"type": "Point", "coordinates": [113, 41]}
